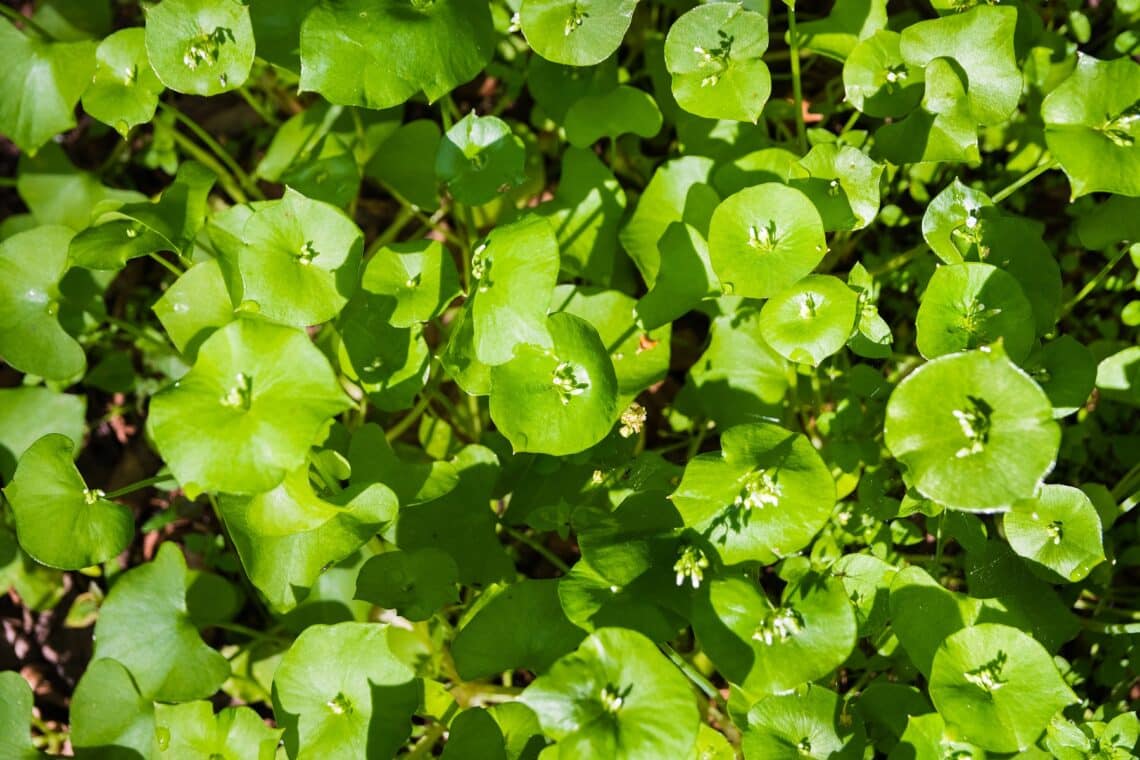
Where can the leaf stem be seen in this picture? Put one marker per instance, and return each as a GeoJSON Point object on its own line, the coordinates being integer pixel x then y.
{"type": "Point", "coordinates": [797, 85]}
{"type": "Point", "coordinates": [216, 148]}
{"type": "Point", "coordinates": [1023, 180]}
{"type": "Point", "coordinates": [18, 17]}
{"type": "Point", "coordinates": [694, 675]}
{"type": "Point", "coordinates": [174, 269]}
{"type": "Point", "coordinates": [1092, 284]}
{"type": "Point", "coordinates": [258, 107]}
{"type": "Point", "coordinates": [229, 184]}
{"type": "Point", "coordinates": [548, 555]}
{"type": "Point", "coordinates": [427, 742]}
{"type": "Point", "coordinates": [139, 485]}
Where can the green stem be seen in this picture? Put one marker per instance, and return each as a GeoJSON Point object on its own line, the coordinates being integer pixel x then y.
{"type": "Point", "coordinates": [7, 181]}
{"type": "Point", "coordinates": [409, 419]}
{"type": "Point", "coordinates": [850, 122]}
{"type": "Point", "coordinates": [138, 486]}
{"type": "Point", "coordinates": [427, 742]}
{"type": "Point", "coordinates": [175, 270]}
{"type": "Point", "coordinates": [1023, 180]}
{"type": "Point", "coordinates": [797, 86]}
{"type": "Point", "coordinates": [389, 235]}
{"type": "Point", "coordinates": [259, 108]}
{"type": "Point", "coordinates": [694, 675]}
{"type": "Point", "coordinates": [18, 17]}
{"type": "Point", "coordinates": [229, 184]}
{"type": "Point", "coordinates": [1092, 284]}
{"type": "Point", "coordinates": [899, 261]}
{"type": "Point", "coordinates": [216, 148]}
{"type": "Point", "coordinates": [523, 538]}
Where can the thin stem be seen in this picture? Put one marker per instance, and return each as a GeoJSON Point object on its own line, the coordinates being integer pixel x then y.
{"type": "Point", "coordinates": [523, 538]}
{"type": "Point", "coordinates": [1092, 284]}
{"type": "Point", "coordinates": [850, 122]}
{"type": "Point", "coordinates": [258, 107]}
{"type": "Point", "coordinates": [175, 270]}
{"type": "Point", "coordinates": [392, 232]}
{"type": "Point", "coordinates": [1023, 180]}
{"type": "Point", "coordinates": [694, 675]}
{"type": "Point", "coordinates": [229, 184]}
{"type": "Point", "coordinates": [138, 486]}
{"type": "Point", "coordinates": [797, 86]}
{"type": "Point", "coordinates": [7, 181]}
{"type": "Point", "coordinates": [30, 25]}
{"type": "Point", "coordinates": [427, 742]}
{"type": "Point", "coordinates": [216, 148]}
{"type": "Point", "coordinates": [899, 261]}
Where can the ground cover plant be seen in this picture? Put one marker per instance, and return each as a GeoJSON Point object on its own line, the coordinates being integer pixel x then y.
{"type": "Point", "coordinates": [618, 379]}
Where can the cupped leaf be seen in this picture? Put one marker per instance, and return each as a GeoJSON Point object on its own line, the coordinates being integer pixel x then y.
{"type": "Point", "coordinates": [40, 86]}
{"type": "Point", "coordinates": [575, 32]}
{"type": "Point", "coordinates": [811, 320]}
{"type": "Point", "coordinates": [763, 497]}
{"type": "Point", "coordinates": [194, 306]}
{"type": "Point", "coordinates": [616, 697]}
{"type": "Point", "coordinates": [420, 275]}
{"type": "Point", "coordinates": [32, 263]}
{"type": "Point", "coordinates": [768, 648]}
{"type": "Point", "coordinates": [811, 722]}
{"type": "Point", "coordinates": [200, 47]}
{"type": "Point", "coordinates": [969, 305]}
{"type": "Point", "coordinates": [415, 584]}
{"type": "Point", "coordinates": [124, 89]}
{"type": "Point", "coordinates": [256, 399]}
{"type": "Point", "coordinates": [480, 158]}
{"type": "Point", "coordinates": [1059, 528]}
{"type": "Point", "coordinates": [557, 400]}
{"type": "Point", "coordinates": [59, 520]}
{"type": "Point", "coordinates": [973, 430]}
{"type": "Point", "coordinates": [878, 81]}
{"type": "Point", "coordinates": [300, 260]}
{"type": "Point", "coordinates": [193, 730]}
{"type": "Point", "coordinates": [347, 49]}
{"type": "Point", "coordinates": [340, 691]}
{"type": "Point", "coordinates": [592, 601]}
{"type": "Point", "coordinates": [997, 687]}
{"type": "Point", "coordinates": [950, 224]}
{"type": "Point", "coordinates": [622, 110]}
{"type": "Point", "coordinates": [765, 238]}
{"type": "Point", "coordinates": [842, 182]}
{"type": "Point", "coordinates": [715, 55]}
{"type": "Point", "coordinates": [514, 271]}
{"type": "Point", "coordinates": [109, 717]}
{"type": "Point", "coordinates": [288, 536]}
{"type": "Point", "coordinates": [144, 625]}
{"type": "Point", "coordinates": [1092, 122]}
{"type": "Point", "coordinates": [29, 413]}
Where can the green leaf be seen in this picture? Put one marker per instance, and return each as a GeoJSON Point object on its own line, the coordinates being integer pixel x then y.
{"type": "Point", "coordinates": [640, 358]}
{"type": "Point", "coordinates": [622, 110]}
{"type": "Point", "coordinates": [765, 238]}
{"type": "Point", "coordinates": [300, 260]}
{"type": "Point", "coordinates": [558, 400]}
{"type": "Point", "coordinates": [340, 691]}
{"type": "Point", "coordinates": [60, 522]}
{"type": "Point", "coordinates": [109, 718]}
{"type": "Point", "coordinates": [287, 537]}
{"type": "Point", "coordinates": [144, 625]}
{"type": "Point", "coordinates": [40, 87]}
{"type": "Point", "coordinates": [474, 733]}
{"type": "Point", "coordinates": [997, 687]}
{"type": "Point", "coordinates": [399, 162]}
{"type": "Point", "coordinates": [241, 419]}
{"type": "Point", "coordinates": [686, 277]}
{"type": "Point", "coordinates": [970, 305]}
{"type": "Point", "coordinates": [32, 340]}
{"type": "Point", "coordinates": [479, 159]}
{"type": "Point", "coordinates": [679, 191]}
{"type": "Point", "coordinates": [193, 730]}
{"type": "Point", "coordinates": [16, 717]}
{"type": "Point", "coordinates": [715, 55]}
{"type": "Point", "coordinates": [575, 32]}
{"type": "Point", "coordinates": [811, 320]}
{"type": "Point", "coordinates": [71, 20]}
{"type": "Point", "coordinates": [616, 697]}
{"type": "Point", "coordinates": [194, 306]}
{"type": "Point", "coordinates": [372, 460]}
{"type": "Point", "coordinates": [763, 497]}
{"type": "Point", "coordinates": [769, 649]}
{"type": "Point", "coordinates": [842, 182]}
{"type": "Point", "coordinates": [415, 584]}
{"type": "Point", "coordinates": [29, 413]}
{"type": "Point", "coordinates": [810, 723]}
{"type": "Point", "coordinates": [346, 49]}
{"type": "Point", "coordinates": [200, 47]}
{"type": "Point", "coordinates": [878, 81]}
{"type": "Point", "coordinates": [1058, 528]}
{"type": "Point", "coordinates": [513, 273]}
{"type": "Point", "coordinates": [973, 430]}
{"type": "Point", "coordinates": [848, 24]}
{"type": "Point", "coordinates": [592, 601]}
{"type": "Point", "coordinates": [867, 580]}
{"type": "Point", "coordinates": [923, 614]}
{"type": "Point", "coordinates": [420, 275]}
{"type": "Point", "coordinates": [1066, 371]}
{"type": "Point", "coordinates": [1118, 376]}
{"type": "Point", "coordinates": [277, 29]}
{"type": "Point", "coordinates": [926, 738]}
{"type": "Point", "coordinates": [124, 89]}
{"type": "Point", "coordinates": [502, 634]}
{"type": "Point", "coordinates": [951, 222]}
{"type": "Point", "coordinates": [390, 363]}
{"type": "Point", "coordinates": [1092, 122]}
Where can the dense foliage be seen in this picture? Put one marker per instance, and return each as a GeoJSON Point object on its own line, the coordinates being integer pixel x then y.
{"type": "Point", "coordinates": [618, 379]}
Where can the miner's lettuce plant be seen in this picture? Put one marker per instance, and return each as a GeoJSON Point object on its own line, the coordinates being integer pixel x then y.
{"type": "Point", "coordinates": [560, 379]}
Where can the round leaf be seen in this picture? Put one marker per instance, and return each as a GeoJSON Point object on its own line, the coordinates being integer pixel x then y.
{"type": "Point", "coordinates": [420, 275]}
{"type": "Point", "coordinates": [997, 687]}
{"type": "Point", "coordinates": [559, 400]}
{"type": "Point", "coordinates": [811, 723]}
{"type": "Point", "coordinates": [575, 32]}
{"type": "Point", "coordinates": [1059, 528]}
{"type": "Point", "coordinates": [124, 89]}
{"type": "Point", "coordinates": [974, 431]}
{"type": "Point", "coordinates": [200, 47]}
{"type": "Point", "coordinates": [877, 79]}
{"type": "Point", "coordinates": [59, 521]}
{"type": "Point", "coordinates": [764, 239]}
{"type": "Point", "coordinates": [715, 54]}
{"type": "Point", "coordinates": [480, 158]}
{"type": "Point", "coordinates": [192, 730]}
{"type": "Point", "coordinates": [842, 182]}
{"type": "Point", "coordinates": [970, 305]}
{"type": "Point", "coordinates": [616, 697]}
{"type": "Point", "coordinates": [415, 584]}
{"type": "Point", "coordinates": [810, 320]}
{"type": "Point", "coordinates": [247, 412]}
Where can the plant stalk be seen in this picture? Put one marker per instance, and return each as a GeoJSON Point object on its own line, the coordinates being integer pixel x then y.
{"type": "Point", "coordinates": [797, 85]}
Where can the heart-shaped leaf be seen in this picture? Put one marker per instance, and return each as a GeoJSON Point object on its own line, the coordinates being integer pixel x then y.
{"type": "Point", "coordinates": [878, 81]}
